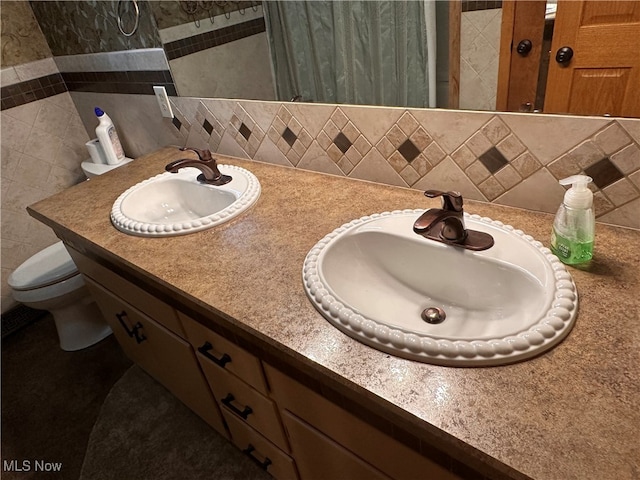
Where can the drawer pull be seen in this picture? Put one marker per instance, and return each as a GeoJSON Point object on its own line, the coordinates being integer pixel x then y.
{"type": "Point", "coordinates": [244, 413]}
{"type": "Point", "coordinates": [262, 464]}
{"type": "Point", "coordinates": [221, 362]}
{"type": "Point", "coordinates": [132, 332]}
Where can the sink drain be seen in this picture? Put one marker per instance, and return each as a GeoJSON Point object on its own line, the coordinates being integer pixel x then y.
{"type": "Point", "coordinates": [433, 315]}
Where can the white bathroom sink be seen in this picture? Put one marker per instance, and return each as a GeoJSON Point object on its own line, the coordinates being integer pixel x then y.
{"type": "Point", "coordinates": [177, 204]}
{"type": "Point", "coordinates": [374, 277]}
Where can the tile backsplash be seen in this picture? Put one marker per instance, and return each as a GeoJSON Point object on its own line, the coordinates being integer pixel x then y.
{"type": "Point", "coordinates": [510, 159]}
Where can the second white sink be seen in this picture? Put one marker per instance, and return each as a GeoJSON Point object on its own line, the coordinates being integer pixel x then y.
{"type": "Point", "coordinates": [177, 204]}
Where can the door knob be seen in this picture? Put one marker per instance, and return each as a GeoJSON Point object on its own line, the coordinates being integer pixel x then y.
{"type": "Point", "coordinates": [524, 47]}
{"type": "Point", "coordinates": [564, 55]}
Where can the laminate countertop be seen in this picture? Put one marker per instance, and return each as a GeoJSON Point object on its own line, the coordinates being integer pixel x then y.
{"type": "Point", "coordinates": [570, 413]}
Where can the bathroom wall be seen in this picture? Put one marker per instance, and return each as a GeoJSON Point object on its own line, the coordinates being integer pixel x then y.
{"type": "Point", "coordinates": [218, 56]}
{"type": "Point", "coordinates": [479, 54]}
{"type": "Point", "coordinates": [42, 141]}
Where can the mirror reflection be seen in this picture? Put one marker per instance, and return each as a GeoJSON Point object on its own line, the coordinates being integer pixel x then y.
{"type": "Point", "coordinates": [576, 56]}
{"type": "Point", "coordinates": [489, 55]}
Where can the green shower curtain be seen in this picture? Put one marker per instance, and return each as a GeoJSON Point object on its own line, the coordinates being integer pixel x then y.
{"type": "Point", "coordinates": [356, 52]}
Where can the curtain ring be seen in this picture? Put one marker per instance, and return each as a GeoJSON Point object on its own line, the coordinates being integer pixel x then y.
{"type": "Point", "coordinates": [119, 17]}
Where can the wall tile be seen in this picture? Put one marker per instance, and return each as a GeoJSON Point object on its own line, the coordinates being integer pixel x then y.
{"type": "Point", "coordinates": [412, 145]}
{"type": "Point", "coordinates": [42, 148]}
{"type": "Point", "coordinates": [479, 48]}
{"type": "Point", "coordinates": [540, 192]}
{"type": "Point", "coordinates": [547, 137]}
{"type": "Point", "coordinates": [621, 192]}
{"type": "Point", "coordinates": [316, 159]}
{"type": "Point", "coordinates": [89, 27]}
{"type": "Point", "coordinates": [612, 139]}
{"type": "Point", "coordinates": [448, 176]}
{"type": "Point", "coordinates": [36, 69]}
{"type": "Point", "coordinates": [375, 168]}
{"type": "Point", "coordinates": [9, 76]}
{"type": "Point", "coordinates": [626, 215]}
{"type": "Point", "coordinates": [627, 159]}
{"type": "Point", "coordinates": [22, 39]}
{"type": "Point", "coordinates": [632, 126]}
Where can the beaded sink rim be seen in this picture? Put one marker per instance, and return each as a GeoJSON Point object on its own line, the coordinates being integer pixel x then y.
{"type": "Point", "coordinates": [551, 328]}
{"type": "Point", "coordinates": [241, 204]}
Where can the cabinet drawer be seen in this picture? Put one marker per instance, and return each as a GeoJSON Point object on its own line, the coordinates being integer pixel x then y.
{"type": "Point", "coordinates": [218, 350]}
{"type": "Point", "coordinates": [384, 452]}
{"type": "Point", "coordinates": [320, 458]}
{"type": "Point", "coordinates": [133, 294]}
{"type": "Point", "coordinates": [247, 404]}
{"type": "Point", "coordinates": [163, 355]}
{"type": "Point", "coordinates": [260, 450]}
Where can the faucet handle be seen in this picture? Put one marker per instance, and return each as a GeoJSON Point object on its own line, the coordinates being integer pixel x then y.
{"type": "Point", "coordinates": [451, 201]}
{"type": "Point", "coordinates": [203, 155]}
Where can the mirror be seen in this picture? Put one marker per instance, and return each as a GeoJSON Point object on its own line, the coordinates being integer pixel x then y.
{"type": "Point", "coordinates": [229, 70]}
{"type": "Point", "coordinates": [471, 51]}
{"type": "Point", "coordinates": [220, 48]}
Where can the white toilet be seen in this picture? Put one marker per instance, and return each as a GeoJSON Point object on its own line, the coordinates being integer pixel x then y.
{"type": "Point", "coordinates": [49, 280]}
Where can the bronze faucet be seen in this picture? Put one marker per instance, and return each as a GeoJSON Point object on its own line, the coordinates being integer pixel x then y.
{"type": "Point", "coordinates": [205, 163]}
{"type": "Point", "coordinates": [446, 224]}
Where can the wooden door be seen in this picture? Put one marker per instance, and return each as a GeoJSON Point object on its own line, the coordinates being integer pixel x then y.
{"type": "Point", "coordinates": [603, 76]}
{"type": "Point", "coordinates": [518, 72]}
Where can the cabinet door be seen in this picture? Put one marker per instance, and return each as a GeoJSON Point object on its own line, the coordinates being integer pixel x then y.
{"type": "Point", "coordinates": [264, 453]}
{"type": "Point", "coordinates": [245, 403]}
{"type": "Point", "coordinates": [165, 356]}
{"type": "Point", "coordinates": [319, 457]}
{"type": "Point", "coordinates": [375, 447]}
{"type": "Point", "coordinates": [127, 291]}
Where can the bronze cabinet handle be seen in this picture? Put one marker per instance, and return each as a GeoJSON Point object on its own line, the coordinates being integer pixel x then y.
{"type": "Point", "coordinates": [228, 402]}
{"type": "Point", "coordinates": [132, 332]}
{"type": "Point", "coordinates": [264, 464]}
{"type": "Point", "coordinates": [221, 362]}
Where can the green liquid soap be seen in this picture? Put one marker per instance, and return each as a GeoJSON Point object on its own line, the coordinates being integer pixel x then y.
{"type": "Point", "coordinates": [571, 252]}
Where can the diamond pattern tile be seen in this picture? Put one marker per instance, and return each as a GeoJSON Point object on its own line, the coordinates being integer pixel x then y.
{"type": "Point", "coordinates": [210, 127]}
{"type": "Point", "coordinates": [409, 149]}
{"type": "Point", "coordinates": [342, 140]}
{"type": "Point", "coordinates": [288, 134]}
{"type": "Point", "coordinates": [207, 127]}
{"type": "Point", "coordinates": [246, 132]}
{"type": "Point", "coordinates": [603, 173]}
{"type": "Point", "coordinates": [607, 156]}
{"type": "Point", "coordinates": [493, 160]}
{"type": "Point", "coordinates": [493, 157]}
{"type": "Point", "coordinates": [180, 121]}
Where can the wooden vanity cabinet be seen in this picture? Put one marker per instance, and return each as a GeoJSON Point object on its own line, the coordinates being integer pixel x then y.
{"type": "Point", "coordinates": [148, 341]}
{"type": "Point", "coordinates": [289, 430]}
{"type": "Point", "coordinates": [326, 439]}
{"type": "Point", "coordinates": [237, 380]}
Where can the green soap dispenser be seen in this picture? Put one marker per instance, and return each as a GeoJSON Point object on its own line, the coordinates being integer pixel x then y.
{"type": "Point", "coordinates": [574, 226]}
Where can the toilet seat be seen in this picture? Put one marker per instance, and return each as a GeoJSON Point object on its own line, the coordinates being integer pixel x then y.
{"type": "Point", "coordinates": [51, 266]}
{"type": "Point", "coordinates": [71, 285]}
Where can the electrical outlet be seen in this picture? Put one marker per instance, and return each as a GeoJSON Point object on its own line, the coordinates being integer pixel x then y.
{"type": "Point", "coordinates": [163, 101]}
